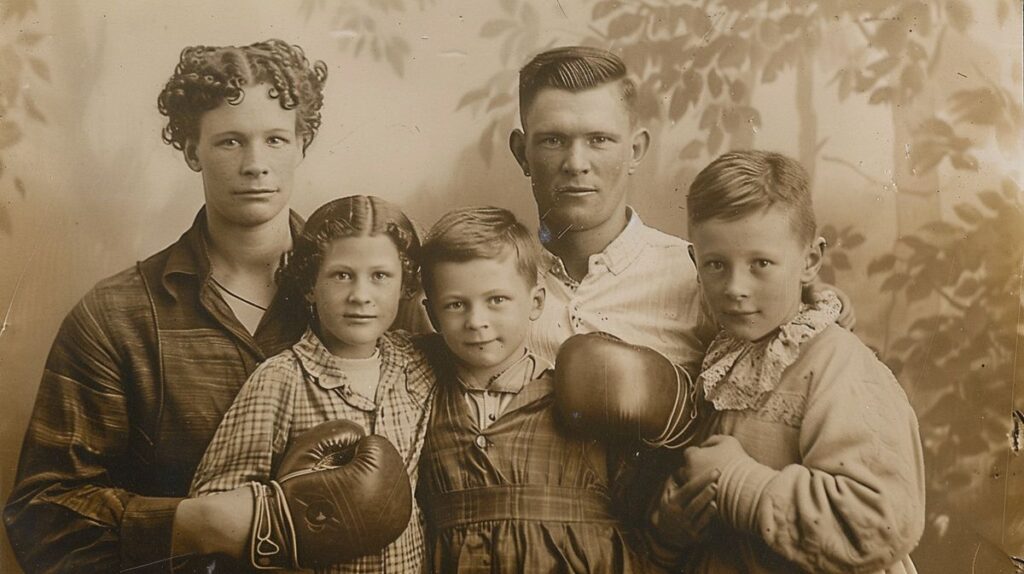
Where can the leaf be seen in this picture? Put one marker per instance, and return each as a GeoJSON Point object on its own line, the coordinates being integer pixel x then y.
{"type": "Point", "coordinates": [32, 110]}
{"type": "Point", "coordinates": [738, 91]}
{"type": "Point", "coordinates": [500, 100]}
{"type": "Point", "coordinates": [918, 289]}
{"type": "Point", "coordinates": [882, 264]}
{"type": "Point", "coordinates": [714, 82]}
{"type": "Point", "coordinates": [680, 101]}
{"type": "Point", "coordinates": [486, 142]}
{"type": "Point", "coordinates": [840, 260]}
{"type": "Point", "coordinates": [734, 54]}
{"type": "Point", "coordinates": [982, 106]}
{"type": "Point", "coordinates": [968, 212]}
{"type": "Point", "coordinates": [880, 95]}
{"type": "Point", "coordinates": [624, 25]}
{"type": "Point", "coordinates": [40, 68]}
{"type": "Point", "coordinates": [472, 96]}
{"type": "Point", "coordinates": [959, 15]}
{"type": "Point", "coordinates": [10, 134]}
{"type": "Point", "coordinates": [709, 117]}
{"type": "Point", "coordinates": [894, 282]}
{"type": "Point", "coordinates": [967, 288]}
{"type": "Point", "coordinates": [939, 228]}
{"type": "Point", "coordinates": [602, 9]}
{"type": "Point", "coordinates": [791, 22]}
{"type": "Point", "coordinates": [715, 138]}
{"type": "Point", "coordinates": [395, 51]}
{"type": "Point", "coordinates": [769, 31]}
{"type": "Point", "coordinates": [692, 150]}
{"type": "Point", "coordinates": [494, 28]}
{"type": "Point", "coordinates": [964, 161]}
{"type": "Point", "coordinates": [992, 200]}
{"type": "Point", "coordinates": [853, 240]}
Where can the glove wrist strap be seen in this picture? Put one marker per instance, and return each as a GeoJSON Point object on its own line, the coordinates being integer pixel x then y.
{"type": "Point", "coordinates": [272, 543]}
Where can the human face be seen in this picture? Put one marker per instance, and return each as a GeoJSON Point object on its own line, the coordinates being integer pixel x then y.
{"type": "Point", "coordinates": [578, 149]}
{"type": "Point", "coordinates": [247, 154]}
{"type": "Point", "coordinates": [752, 268]}
{"type": "Point", "coordinates": [483, 309]}
{"type": "Point", "coordinates": [356, 294]}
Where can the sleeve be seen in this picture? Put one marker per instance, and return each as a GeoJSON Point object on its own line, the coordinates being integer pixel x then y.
{"type": "Point", "coordinates": [856, 504]}
{"type": "Point", "coordinates": [254, 431]}
{"type": "Point", "coordinates": [69, 510]}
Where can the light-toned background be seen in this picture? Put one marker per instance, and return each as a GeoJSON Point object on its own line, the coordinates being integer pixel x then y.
{"type": "Point", "coordinates": [908, 114]}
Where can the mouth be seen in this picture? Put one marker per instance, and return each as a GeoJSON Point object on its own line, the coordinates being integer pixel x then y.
{"type": "Point", "coordinates": [256, 192]}
{"type": "Point", "coordinates": [574, 190]}
{"type": "Point", "coordinates": [738, 314]}
{"type": "Point", "coordinates": [480, 344]}
{"type": "Point", "coordinates": [359, 318]}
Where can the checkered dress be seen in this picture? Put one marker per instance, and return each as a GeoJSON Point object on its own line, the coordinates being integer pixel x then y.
{"type": "Point", "coordinates": [520, 495]}
{"type": "Point", "coordinates": [303, 387]}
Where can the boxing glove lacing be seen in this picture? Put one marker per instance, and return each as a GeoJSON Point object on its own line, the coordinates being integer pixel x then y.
{"type": "Point", "coordinates": [264, 549]}
{"type": "Point", "coordinates": [670, 437]}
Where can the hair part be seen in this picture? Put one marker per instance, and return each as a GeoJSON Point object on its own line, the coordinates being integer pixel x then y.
{"type": "Point", "coordinates": [574, 69]}
{"type": "Point", "coordinates": [352, 216]}
{"type": "Point", "coordinates": [739, 183]}
{"type": "Point", "coordinates": [479, 233]}
{"type": "Point", "coordinates": [208, 76]}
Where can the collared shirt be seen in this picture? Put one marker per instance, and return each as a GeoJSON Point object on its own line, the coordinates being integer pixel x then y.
{"type": "Point", "coordinates": [136, 382]}
{"type": "Point", "coordinates": [298, 389]}
{"type": "Point", "coordinates": [488, 400]}
{"type": "Point", "coordinates": [642, 288]}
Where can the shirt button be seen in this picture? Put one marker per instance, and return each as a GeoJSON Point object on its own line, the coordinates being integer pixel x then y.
{"type": "Point", "coordinates": [491, 416]}
{"type": "Point", "coordinates": [481, 441]}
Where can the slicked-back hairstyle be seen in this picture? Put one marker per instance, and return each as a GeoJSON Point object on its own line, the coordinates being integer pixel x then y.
{"type": "Point", "coordinates": [353, 216]}
{"type": "Point", "coordinates": [207, 76]}
{"type": "Point", "coordinates": [574, 69]}
{"type": "Point", "coordinates": [739, 183]}
{"type": "Point", "coordinates": [479, 233]}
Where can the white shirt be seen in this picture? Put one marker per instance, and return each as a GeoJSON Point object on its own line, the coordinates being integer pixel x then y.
{"type": "Point", "coordinates": [642, 288]}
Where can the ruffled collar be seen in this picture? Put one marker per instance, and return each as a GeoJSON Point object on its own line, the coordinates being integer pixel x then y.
{"type": "Point", "coordinates": [736, 374]}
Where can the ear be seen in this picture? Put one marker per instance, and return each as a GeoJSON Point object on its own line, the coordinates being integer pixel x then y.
{"type": "Point", "coordinates": [538, 295]}
{"type": "Point", "coordinates": [517, 143]}
{"type": "Point", "coordinates": [813, 260]}
{"type": "Point", "coordinates": [693, 257]}
{"type": "Point", "coordinates": [641, 143]}
{"type": "Point", "coordinates": [431, 316]}
{"type": "Point", "coordinates": [190, 156]}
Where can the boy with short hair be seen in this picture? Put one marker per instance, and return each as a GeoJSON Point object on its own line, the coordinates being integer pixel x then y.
{"type": "Point", "coordinates": [815, 462]}
{"type": "Point", "coordinates": [502, 486]}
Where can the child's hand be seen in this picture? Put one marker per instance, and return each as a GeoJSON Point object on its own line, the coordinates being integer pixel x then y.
{"type": "Point", "coordinates": [685, 511]}
{"type": "Point", "coordinates": [714, 454]}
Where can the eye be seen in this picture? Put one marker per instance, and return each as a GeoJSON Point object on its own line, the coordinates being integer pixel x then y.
{"type": "Point", "coordinates": [762, 263]}
{"type": "Point", "coordinates": [381, 275]}
{"type": "Point", "coordinates": [714, 265]}
{"type": "Point", "coordinates": [453, 306]}
{"type": "Point", "coordinates": [277, 141]}
{"type": "Point", "coordinates": [229, 143]}
{"type": "Point", "coordinates": [600, 140]}
{"type": "Point", "coordinates": [498, 299]}
{"type": "Point", "coordinates": [341, 275]}
{"type": "Point", "coordinates": [551, 142]}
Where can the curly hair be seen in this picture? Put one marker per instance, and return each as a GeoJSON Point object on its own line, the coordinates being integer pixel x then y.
{"type": "Point", "coordinates": [207, 76]}
{"type": "Point", "coordinates": [352, 216]}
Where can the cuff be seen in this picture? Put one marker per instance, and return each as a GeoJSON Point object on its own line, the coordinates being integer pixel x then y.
{"type": "Point", "coordinates": [146, 529]}
{"type": "Point", "coordinates": [739, 492]}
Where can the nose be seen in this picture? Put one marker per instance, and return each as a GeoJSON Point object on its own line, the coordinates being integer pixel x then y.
{"type": "Point", "coordinates": [254, 161]}
{"type": "Point", "coordinates": [737, 285]}
{"type": "Point", "coordinates": [576, 160]}
{"type": "Point", "coordinates": [360, 292]}
{"type": "Point", "coordinates": [476, 319]}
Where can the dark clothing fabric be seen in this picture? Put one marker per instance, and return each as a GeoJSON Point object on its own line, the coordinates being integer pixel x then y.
{"type": "Point", "coordinates": [138, 378]}
{"type": "Point", "coordinates": [520, 495]}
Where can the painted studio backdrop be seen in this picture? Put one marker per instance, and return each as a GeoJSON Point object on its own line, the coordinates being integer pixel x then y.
{"type": "Point", "coordinates": [908, 115]}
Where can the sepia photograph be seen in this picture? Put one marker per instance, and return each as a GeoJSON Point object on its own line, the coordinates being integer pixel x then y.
{"type": "Point", "coordinates": [708, 286]}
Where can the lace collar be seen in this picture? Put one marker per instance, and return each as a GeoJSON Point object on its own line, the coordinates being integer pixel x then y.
{"type": "Point", "coordinates": [736, 374]}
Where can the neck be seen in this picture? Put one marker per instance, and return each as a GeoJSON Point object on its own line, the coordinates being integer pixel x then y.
{"type": "Point", "coordinates": [574, 248]}
{"type": "Point", "coordinates": [248, 251]}
{"type": "Point", "coordinates": [482, 376]}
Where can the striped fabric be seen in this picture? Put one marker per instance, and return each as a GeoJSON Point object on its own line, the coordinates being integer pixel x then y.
{"type": "Point", "coordinates": [301, 388]}
{"type": "Point", "coordinates": [136, 382]}
{"type": "Point", "coordinates": [642, 288]}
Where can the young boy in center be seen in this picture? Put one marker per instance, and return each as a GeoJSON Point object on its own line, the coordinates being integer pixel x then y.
{"type": "Point", "coordinates": [503, 488]}
{"type": "Point", "coordinates": [814, 463]}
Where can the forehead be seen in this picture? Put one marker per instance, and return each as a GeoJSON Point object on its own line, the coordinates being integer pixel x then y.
{"type": "Point", "coordinates": [766, 230]}
{"type": "Point", "coordinates": [600, 108]}
{"type": "Point", "coordinates": [361, 250]}
{"type": "Point", "coordinates": [478, 274]}
{"type": "Point", "coordinates": [257, 112]}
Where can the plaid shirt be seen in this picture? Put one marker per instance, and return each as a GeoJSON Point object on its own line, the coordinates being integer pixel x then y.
{"type": "Point", "coordinates": [301, 388]}
{"type": "Point", "coordinates": [137, 380]}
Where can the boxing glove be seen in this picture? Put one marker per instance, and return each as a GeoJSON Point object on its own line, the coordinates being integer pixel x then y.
{"type": "Point", "coordinates": [339, 495]}
{"type": "Point", "coordinates": [606, 388]}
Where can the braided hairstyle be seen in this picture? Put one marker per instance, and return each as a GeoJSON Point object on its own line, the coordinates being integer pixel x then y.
{"type": "Point", "coordinates": [207, 76]}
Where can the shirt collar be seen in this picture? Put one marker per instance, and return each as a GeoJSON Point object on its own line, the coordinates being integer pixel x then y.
{"type": "Point", "coordinates": [327, 370]}
{"type": "Point", "coordinates": [513, 379]}
{"type": "Point", "coordinates": [190, 257]}
{"type": "Point", "coordinates": [617, 256]}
